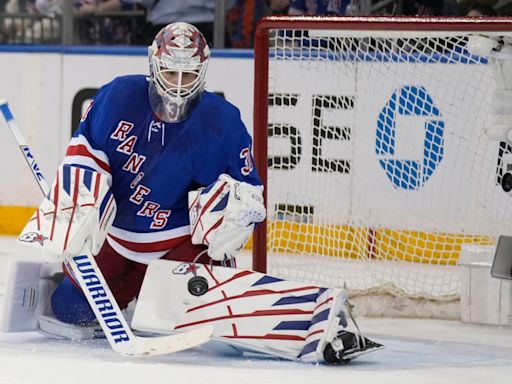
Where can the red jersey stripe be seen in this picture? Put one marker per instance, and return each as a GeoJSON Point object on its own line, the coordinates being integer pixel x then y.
{"type": "Point", "coordinates": [81, 150]}
{"type": "Point", "coordinates": [163, 245]}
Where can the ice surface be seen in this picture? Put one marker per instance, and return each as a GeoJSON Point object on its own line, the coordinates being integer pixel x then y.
{"type": "Point", "coordinates": [417, 351]}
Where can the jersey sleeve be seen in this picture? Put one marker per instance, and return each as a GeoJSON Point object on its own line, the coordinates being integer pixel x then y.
{"type": "Point", "coordinates": [229, 152]}
{"type": "Point", "coordinates": [240, 159]}
{"type": "Point", "coordinates": [88, 146]}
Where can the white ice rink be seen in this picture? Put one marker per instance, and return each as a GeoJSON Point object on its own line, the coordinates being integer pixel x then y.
{"type": "Point", "coordinates": [417, 351]}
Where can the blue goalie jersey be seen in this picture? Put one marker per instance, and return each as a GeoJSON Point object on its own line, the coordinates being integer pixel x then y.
{"type": "Point", "coordinates": [152, 165]}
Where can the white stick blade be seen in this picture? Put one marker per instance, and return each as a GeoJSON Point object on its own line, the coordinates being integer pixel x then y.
{"type": "Point", "coordinates": [157, 346]}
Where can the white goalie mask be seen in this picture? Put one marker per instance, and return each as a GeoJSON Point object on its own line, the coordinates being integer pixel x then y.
{"type": "Point", "coordinates": [178, 58]}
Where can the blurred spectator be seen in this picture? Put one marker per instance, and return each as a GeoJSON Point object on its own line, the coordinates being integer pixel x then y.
{"type": "Point", "coordinates": [279, 7]}
{"type": "Point", "coordinates": [451, 8]}
{"type": "Point", "coordinates": [103, 28]}
{"type": "Point", "coordinates": [242, 17]}
{"type": "Point", "coordinates": [298, 38]}
{"type": "Point", "coordinates": [50, 8]}
{"type": "Point", "coordinates": [481, 10]}
{"type": "Point", "coordinates": [90, 7]}
{"type": "Point", "coordinates": [33, 29]}
{"type": "Point", "coordinates": [200, 13]}
{"type": "Point", "coordinates": [82, 7]}
{"type": "Point", "coordinates": [17, 6]}
{"type": "Point", "coordinates": [318, 7]}
{"type": "Point", "coordinates": [424, 8]}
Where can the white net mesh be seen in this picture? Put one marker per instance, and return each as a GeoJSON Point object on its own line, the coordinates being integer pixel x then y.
{"type": "Point", "coordinates": [379, 166]}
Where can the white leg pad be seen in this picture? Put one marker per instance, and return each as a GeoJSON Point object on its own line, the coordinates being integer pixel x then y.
{"type": "Point", "coordinates": [28, 290]}
{"type": "Point", "coordinates": [248, 310]}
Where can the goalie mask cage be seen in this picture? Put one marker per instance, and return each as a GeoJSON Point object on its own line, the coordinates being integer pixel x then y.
{"type": "Point", "coordinates": [369, 137]}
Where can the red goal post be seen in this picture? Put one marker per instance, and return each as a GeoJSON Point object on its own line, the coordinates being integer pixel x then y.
{"type": "Point", "coordinates": [411, 67]}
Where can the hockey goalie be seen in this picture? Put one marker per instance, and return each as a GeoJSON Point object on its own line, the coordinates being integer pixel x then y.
{"type": "Point", "coordinates": [118, 220]}
{"type": "Point", "coordinates": [249, 311]}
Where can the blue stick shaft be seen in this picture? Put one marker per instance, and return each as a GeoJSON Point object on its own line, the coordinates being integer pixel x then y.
{"type": "Point", "coordinates": [31, 161]}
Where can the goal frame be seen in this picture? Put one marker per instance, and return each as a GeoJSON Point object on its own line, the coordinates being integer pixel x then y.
{"type": "Point", "coordinates": [261, 72]}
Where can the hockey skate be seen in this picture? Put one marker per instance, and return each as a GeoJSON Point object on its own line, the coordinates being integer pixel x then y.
{"type": "Point", "coordinates": [347, 346]}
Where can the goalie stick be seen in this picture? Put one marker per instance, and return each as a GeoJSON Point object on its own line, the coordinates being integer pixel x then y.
{"type": "Point", "coordinates": [107, 311]}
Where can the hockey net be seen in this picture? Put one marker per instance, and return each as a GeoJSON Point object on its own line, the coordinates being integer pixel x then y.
{"type": "Point", "coordinates": [369, 136]}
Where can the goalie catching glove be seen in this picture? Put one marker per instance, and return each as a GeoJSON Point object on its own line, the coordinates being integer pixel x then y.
{"type": "Point", "coordinates": [223, 215]}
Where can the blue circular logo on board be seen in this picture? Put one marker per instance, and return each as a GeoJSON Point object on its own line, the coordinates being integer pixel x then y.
{"type": "Point", "coordinates": [410, 174]}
